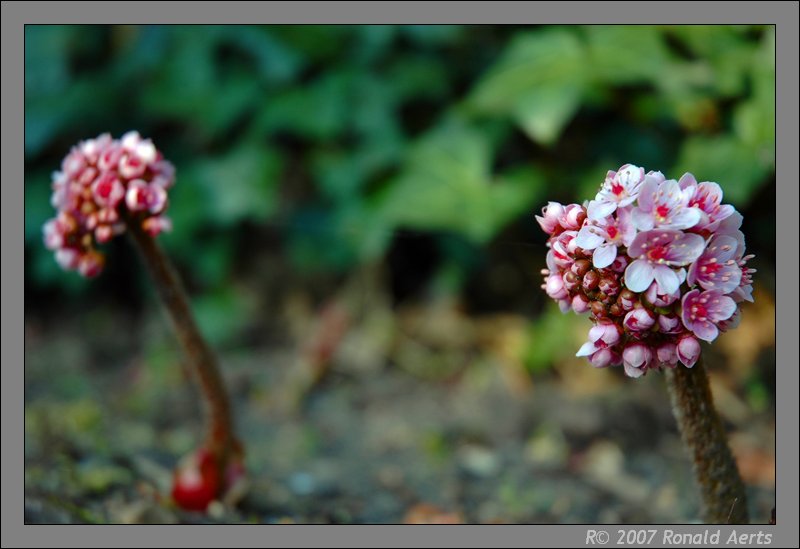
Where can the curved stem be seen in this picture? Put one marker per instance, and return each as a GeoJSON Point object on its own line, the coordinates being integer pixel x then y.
{"type": "Point", "coordinates": [220, 439]}
{"type": "Point", "coordinates": [721, 488]}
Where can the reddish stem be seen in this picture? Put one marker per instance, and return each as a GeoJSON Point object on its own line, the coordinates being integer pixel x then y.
{"type": "Point", "coordinates": [220, 440]}
{"type": "Point", "coordinates": [721, 488]}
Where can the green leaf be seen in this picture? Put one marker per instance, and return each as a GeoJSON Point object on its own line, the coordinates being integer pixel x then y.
{"type": "Point", "coordinates": [550, 57]}
{"type": "Point", "coordinates": [625, 54]}
{"type": "Point", "coordinates": [545, 112]}
{"type": "Point", "coordinates": [539, 82]}
{"type": "Point", "coordinates": [447, 186]}
{"type": "Point", "coordinates": [240, 185]}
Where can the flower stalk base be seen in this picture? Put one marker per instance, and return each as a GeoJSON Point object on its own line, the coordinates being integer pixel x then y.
{"type": "Point", "coordinates": [721, 488]}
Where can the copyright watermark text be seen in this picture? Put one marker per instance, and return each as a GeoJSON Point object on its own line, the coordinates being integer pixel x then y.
{"type": "Point", "coordinates": [639, 537]}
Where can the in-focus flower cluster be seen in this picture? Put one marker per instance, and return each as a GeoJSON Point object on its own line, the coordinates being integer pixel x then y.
{"type": "Point", "coordinates": [103, 184]}
{"type": "Point", "coordinates": [658, 264]}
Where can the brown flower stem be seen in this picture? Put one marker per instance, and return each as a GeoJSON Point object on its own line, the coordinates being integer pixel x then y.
{"type": "Point", "coordinates": [220, 438]}
{"type": "Point", "coordinates": [721, 488]}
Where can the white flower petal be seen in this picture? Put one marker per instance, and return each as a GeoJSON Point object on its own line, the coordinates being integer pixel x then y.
{"type": "Point", "coordinates": [639, 275]}
{"type": "Point", "coordinates": [604, 256]}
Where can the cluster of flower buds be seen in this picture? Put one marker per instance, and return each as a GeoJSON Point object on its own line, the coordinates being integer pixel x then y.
{"type": "Point", "coordinates": [657, 263]}
{"type": "Point", "coordinates": [103, 184]}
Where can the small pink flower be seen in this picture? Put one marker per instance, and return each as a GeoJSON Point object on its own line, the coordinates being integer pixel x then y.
{"type": "Point", "coordinates": [667, 354]}
{"type": "Point", "coordinates": [109, 158]}
{"type": "Point", "coordinates": [707, 197]}
{"type": "Point", "coordinates": [619, 189]}
{"type": "Point", "coordinates": [636, 358]}
{"type": "Point", "coordinates": [665, 206]}
{"type": "Point", "coordinates": [605, 334]}
{"type": "Point", "coordinates": [90, 263]}
{"type": "Point", "coordinates": [716, 269]}
{"type": "Point", "coordinates": [688, 350]}
{"type": "Point", "coordinates": [658, 252]}
{"type": "Point", "coordinates": [669, 324]}
{"type": "Point", "coordinates": [744, 291]}
{"type": "Point", "coordinates": [142, 196]}
{"type": "Point", "coordinates": [572, 217]}
{"type": "Point", "coordinates": [549, 218]}
{"type": "Point", "coordinates": [563, 249]}
{"type": "Point", "coordinates": [68, 258]}
{"type": "Point", "coordinates": [639, 320]}
{"type": "Point", "coordinates": [580, 304]}
{"type": "Point", "coordinates": [605, 235]}
{"type": "Point", "coordinates": [657, 299]}
{"type": "Point", "coordinates": [603, 358]}
{"type": "Point", "coordinates": [108, 190]}
{"type": "Point", "coordinates": [702, 311]}
{"type": "Point", "coordinates": [554, 286]}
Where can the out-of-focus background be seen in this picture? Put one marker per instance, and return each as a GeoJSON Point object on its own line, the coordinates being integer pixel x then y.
{"type": "Point", "coordinates": [353, 218]}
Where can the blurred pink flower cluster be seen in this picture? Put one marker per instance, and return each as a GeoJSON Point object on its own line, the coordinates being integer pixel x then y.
{"type": "Point", "coordinates": [658, 264]}
{"type": "Point", "coordinates": [103, 184]}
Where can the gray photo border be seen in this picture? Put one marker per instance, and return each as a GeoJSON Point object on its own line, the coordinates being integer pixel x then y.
{"type": "Point", "coordinates": [16, 14]}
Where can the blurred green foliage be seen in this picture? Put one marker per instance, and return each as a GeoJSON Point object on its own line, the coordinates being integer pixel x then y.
{"type": "Point", "coordinates": [338, 137]}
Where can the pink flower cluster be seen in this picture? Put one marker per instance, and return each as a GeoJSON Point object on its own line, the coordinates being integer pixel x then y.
{"type": "Point", "coordinates": [103, 184]}
{"type": "Point", "coordinates": [658, 264]}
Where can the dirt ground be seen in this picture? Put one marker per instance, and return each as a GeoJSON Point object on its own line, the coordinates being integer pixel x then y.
{"type": "Point", "coordinates": [383, 415]}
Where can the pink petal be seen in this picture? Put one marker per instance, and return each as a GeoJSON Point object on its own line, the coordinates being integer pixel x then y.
{"type": "Point", "coordinates": [647, 194]}
{"type": "Point", "coordinates": [639, 275]}
{"type": "Point", "coordinates": [705, 330]}
{"type": "Point", "coordinates": [643, 220]}
{"type": "Point", "coordinates": [722, 310]}
{"type": "Point", "coordinates": [630, 371]}
{"type": "Point", "coordinates": [668, 281]}
{"type": "Point", "coordinates": [598, 210]}
{"type": "Point", "coordinates": [588, 239]}
{"type": "Point", "coordinates": [604, 256]}
{"type": "Point", "coordinates": [687, 180]}
{"type": "Point", "coordinates": [686, 218]}
{"type": "Point", "coordinates": [586, 349]}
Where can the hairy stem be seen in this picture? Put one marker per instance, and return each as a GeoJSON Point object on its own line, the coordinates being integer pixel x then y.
{"type": "Point", "coordinates": [721, 488]}
{"type": "Point", "coordinates": [220, 439]}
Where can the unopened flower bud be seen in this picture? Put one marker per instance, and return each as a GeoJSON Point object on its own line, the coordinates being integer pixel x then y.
{"type": "Point", "coordinates": [598, 309]}
{"type": "Point", "coordinates": [659, 300]}
{"type": "Point", "coordinates": [619, 264]}
{"type": "Point", "coordinates": [636, 358]}
{"type": "Point", "coordinates": [609, 286]}
{"type": "Point", "coordinates": [605, 334]}
{"type": "Point", "coordinates": [603, 357]}
{"type": "Point", "coordinates": [572, 217]}
{"type": "Point", "coordinates": [581, 267]}
{"type": "Point", "coordinates": [571, 280]}
{"type": "Point", "coordinates": [639, 320]}
{"type": "Point", "coordinates": [667, 354]}
{"type": "Point", "coordinates": [580, 303]}
{"type": "Point", "coordinates": [669, 324]}
{"type": "Point", "coordinates": [590, 280]}
{"type": "Point", "coordinates": [554, 286]}
{"type": "Point", "coordinates": [627, 300]}
{"type": "Point", "coordinates": [688, 350]}
{"type": "Point", "coordinates": [549, 218]}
